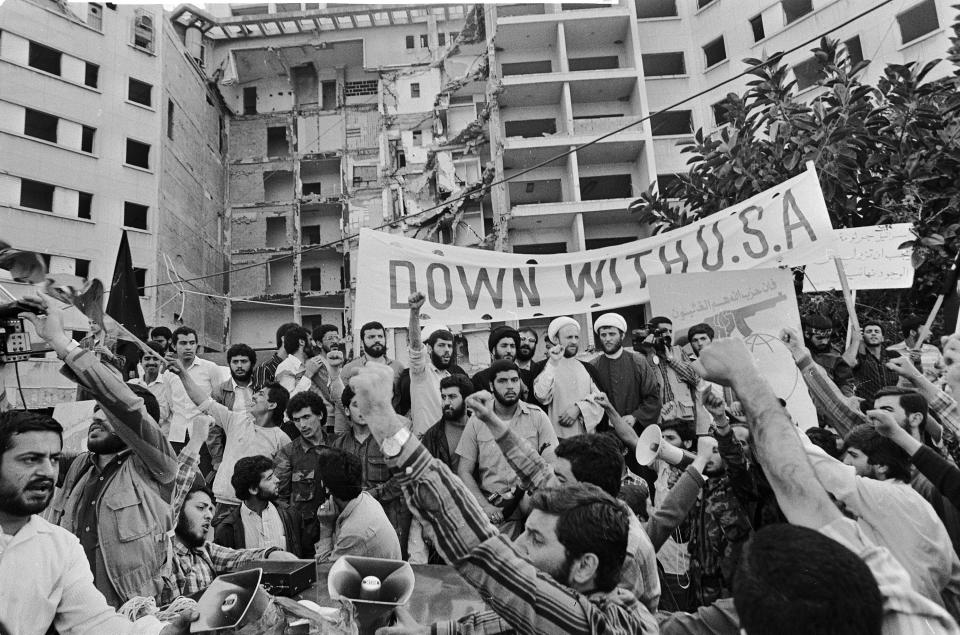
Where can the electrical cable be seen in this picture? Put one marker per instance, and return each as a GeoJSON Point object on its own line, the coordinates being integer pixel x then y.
{"type": "Point", "coordinates": [481, 189]}
{"type": "Point", "coordinates": [16, 371]}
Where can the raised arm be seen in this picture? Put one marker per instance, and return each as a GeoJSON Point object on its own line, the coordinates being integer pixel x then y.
{"type": "Point", "coordinates": [219, 412]}
{"type": "Point", "coordinates": [940, 402]}
{"type": "Point", "coordinates": [126, 411]}
{"type": "Point", "coordinates": [514, 588]}
{"type": "Point", "coordinates": [826, 396]}
{"type": "Point", "coordinates": [853, 349]}
{"type": "Point", "coordinates": [188, 463]}
{"type": "Point", "coordinates": [779, 450]}
{"type": "Point", "coordinates": [543, 383]}
{"type": "Point", "coordinates": [416, 301]}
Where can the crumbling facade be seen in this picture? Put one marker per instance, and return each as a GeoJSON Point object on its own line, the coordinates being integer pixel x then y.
{"type": "Point", "coordinates": [340, 118]}
{"type": "Point", "coordinates": [108, 125]}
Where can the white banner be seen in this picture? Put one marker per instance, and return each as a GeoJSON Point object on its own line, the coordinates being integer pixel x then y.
{"type": "Point", "coordinates": [785, 225]}
{"type": "Point", "coordinates": [872, 259]}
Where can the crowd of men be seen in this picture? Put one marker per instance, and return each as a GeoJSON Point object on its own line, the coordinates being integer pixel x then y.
{"type": "Point", "coordinates": [523, 476]}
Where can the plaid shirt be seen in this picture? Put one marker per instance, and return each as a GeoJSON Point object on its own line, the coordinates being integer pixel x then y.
{"type": "Point", "coordinates": [871, 373]}
{"type": "Point", "coordinates": [834, 409]}
{"type": "Point", "coordinates": [527, 600]}
{"type": "Point", "coordinates": [195, 569]}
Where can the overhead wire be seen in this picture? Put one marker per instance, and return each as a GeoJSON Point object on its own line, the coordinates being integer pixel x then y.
{"type": "Point", "coordinates": [481, 189]}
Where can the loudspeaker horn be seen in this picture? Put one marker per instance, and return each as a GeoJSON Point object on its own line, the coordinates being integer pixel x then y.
{"type": "Point", "coordinates": [651, 447]}
{"type": "Point", "coordinates": [350, 579]}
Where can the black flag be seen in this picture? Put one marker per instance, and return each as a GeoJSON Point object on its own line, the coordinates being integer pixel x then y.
{"type": "Point", "coordinates": [124, 304]}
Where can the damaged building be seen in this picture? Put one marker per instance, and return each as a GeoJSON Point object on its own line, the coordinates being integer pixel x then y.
{"type": "Point", "coordinates": [341, 117]}
{"type": "Point", "coordinates": [351, 116]}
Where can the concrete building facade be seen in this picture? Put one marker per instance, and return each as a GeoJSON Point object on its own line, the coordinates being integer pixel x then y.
{"type": "Point", "coordinates": [349, 116]}
{"type": "Point", "coordinates": [96, 139]}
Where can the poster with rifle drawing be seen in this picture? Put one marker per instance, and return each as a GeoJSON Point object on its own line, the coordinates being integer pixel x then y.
{"type": "Point", "coordinates": [753, 306]}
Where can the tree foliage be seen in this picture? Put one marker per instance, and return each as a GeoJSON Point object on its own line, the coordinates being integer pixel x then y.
{"type": "Point", "coordinates": [886, 153]}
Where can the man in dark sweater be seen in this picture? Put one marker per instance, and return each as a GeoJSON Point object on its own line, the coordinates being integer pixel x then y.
{"type": "Point", "coordinates": [632, 384]}
{"type": "Point", "coordinates": [504, 342]}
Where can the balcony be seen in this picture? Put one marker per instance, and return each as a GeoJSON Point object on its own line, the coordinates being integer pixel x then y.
{"type": "Point", "coordinates": [622, 147]}
{"type": "Point", "coordinates": [538, 89]}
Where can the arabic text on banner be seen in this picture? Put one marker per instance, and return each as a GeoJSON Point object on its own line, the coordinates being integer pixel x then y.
{"type": "Point", "coordinates": [785, 225]}
{"type": "Point", "coordinates": [872, 259]}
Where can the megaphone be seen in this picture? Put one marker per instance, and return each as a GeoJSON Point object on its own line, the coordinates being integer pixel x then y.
{"type": "Point", "coordinates": [232, 601]}
{"type": "Point", "coordinates": [651, 447]}
{"type": "Point", "coordinates": [355, 578]}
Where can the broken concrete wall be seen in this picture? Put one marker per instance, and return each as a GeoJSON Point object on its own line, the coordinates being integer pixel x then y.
{"type": "Point", "coordinates": [320, 132]}
{"type": "Point", "coordinates": [249, 137]}
{"type": "Point", "coordinates": [190, 221]}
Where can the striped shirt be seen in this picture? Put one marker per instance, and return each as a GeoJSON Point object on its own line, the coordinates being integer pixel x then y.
{"type": "Point", "coordinates": [521, 595]}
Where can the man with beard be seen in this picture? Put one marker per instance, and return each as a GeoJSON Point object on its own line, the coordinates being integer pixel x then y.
{"type": "Point", "coordinates": [527, 349]}
{"type": "Point", "coordinates": [258, 522]}
{"type": "Point", "coordinates": [234, 394]}
{"type": "Point", "coordinates": [45, 579]}
{"type": "Point", "coordinates": [373, 339]}
{"type": "Point", "coordinates": [631, 381]}
{"type": "Point", "coordinates": [565, 385]}
{"type": "Point", "coordinates": [441, 441]}
{"type": "Point", "coordinates": [868, 358]}
{"type": "Point", "coordinates": [560, 576]}
{"type": "Point", "coordinates": [354, 523]}
{"type": "Point", "coordinates": [495, 491]}
{"type": "Point", "coordinates": [437, 342]}
{"type": "Point", "coordinates": [817, 334]}
{"type": "Point", "coordinates": [504, 343]}
{"type": "Point", "coordinates": [196, 561]}
{"type": "Point", "coordinates": [116, 496]}
{"type": "Point", "coordinates": [873, 483]}
{"type": "Point", "coordinates": [443, 437]}
{"type": "Point", "coordinates": [328, 380]}
{"type": "Point", "coordinates": [297, 372]}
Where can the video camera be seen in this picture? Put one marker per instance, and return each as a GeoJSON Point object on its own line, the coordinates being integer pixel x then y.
{"type": "Point", "coordinates": [14, 340]}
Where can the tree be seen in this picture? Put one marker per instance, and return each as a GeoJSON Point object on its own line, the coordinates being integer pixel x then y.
{"type": "Point", "coordinates": [884, 154]}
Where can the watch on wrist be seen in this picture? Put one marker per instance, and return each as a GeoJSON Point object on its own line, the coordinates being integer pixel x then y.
{"type": "Point", "coordinates": [392, 445]}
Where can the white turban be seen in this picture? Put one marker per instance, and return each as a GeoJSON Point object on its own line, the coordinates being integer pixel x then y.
{"type": "Point", "coordinates": [610, 319]}
{"type": "Point", "coordinates": [430, 328]}
{"type": "Point", "coordinates": [559, 323]}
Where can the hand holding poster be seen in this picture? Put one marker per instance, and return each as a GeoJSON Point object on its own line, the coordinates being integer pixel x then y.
{"type": "Point", "coordinates": [785, 225]}
{"type": "Point", "coordinates": [749, 305]}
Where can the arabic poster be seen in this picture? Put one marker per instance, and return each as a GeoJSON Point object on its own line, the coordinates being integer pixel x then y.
{"type": "Point", "coordinates": [750, 305]}
{"type": "Point", "coordinates": [872, 259]}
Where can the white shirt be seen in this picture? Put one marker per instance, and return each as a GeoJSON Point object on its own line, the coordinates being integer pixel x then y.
{"type": "Point", "coordinates": [45, 579]}
{"type": "Point", "coordinates": [290, 375]}
{"type": "Point", "coordinates": [262, 530]}
{"type": "Point", "coordinates": [893, 515]}
{"type": "Point", "coordinates": [425, 405]}
{"type": "Point", "coordinates": [242, 397]}
{"type": "Point", "coordinates": [244, 438]}
{"type": "Point", "coordinates": [205, 374]}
